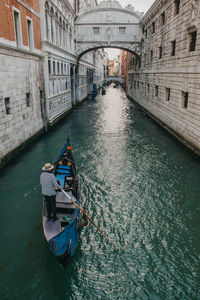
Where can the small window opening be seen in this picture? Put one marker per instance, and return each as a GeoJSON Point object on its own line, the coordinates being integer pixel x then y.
{"type": "Point", "coordinates": [122, 30]}
{"type": "Point", "coordinates": [54, 67]}
{"type": "Point", "coordinates": [146, 33]}
{"type": "Point", "coordinates": [49, 66]}
{"type": "Point", "coordinates": [167, 94]}
{"type": "Point", "coordinates": [95, 30]}
{"type": "Point", "coordinates": [160, 52]}
{"type": "Point", "coordinates": [153, 27]}
{"type": "Point", "coordinates": [151, 55]}
{"type": "Point", "coordinates": [185, 99]}
{"type": "Point", "coordinates": [193, 38]}
{"type": "Point", "coordinates": [7, 105]}
{"type": "Point", "coordinates": [176, 6]}
{"type": "Point", "coordinates": [58, 68]}
{"type": "Point", "coordinates": [156, 90]}
{"type": "Point", "coordinates": [163, 18]}
{"type": "Point", "coordinates": [28, 99]}
{"type": "Point", "coordinates": [173, 47]}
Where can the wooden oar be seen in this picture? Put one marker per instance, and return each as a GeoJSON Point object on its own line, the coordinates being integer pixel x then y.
{"type": "Point", "coordinates": [101, 232]}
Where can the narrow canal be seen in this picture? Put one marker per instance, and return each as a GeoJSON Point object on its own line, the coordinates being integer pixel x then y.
{"type": "Point", "coordinates": [137, 183]}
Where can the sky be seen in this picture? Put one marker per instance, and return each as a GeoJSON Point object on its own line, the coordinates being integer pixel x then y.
{"type": "Point", "coordinates": [139, 5]}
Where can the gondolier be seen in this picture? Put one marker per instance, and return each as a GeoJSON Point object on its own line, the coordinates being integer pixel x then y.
{"type": "Point", "coordinates": [49, 187]}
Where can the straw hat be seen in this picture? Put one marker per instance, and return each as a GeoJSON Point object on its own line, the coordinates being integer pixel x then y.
{"type": "Point", "coordinates": [48, 167]}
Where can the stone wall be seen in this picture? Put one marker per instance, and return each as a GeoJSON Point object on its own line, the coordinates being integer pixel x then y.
{"type": "Point", "coordinates": [20, 111]}
{"type": "Point", "coordinates": [166, 82]}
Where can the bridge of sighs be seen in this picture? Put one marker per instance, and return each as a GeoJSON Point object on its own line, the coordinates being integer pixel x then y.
{"type": "Point", "coordinates": [108, 25]}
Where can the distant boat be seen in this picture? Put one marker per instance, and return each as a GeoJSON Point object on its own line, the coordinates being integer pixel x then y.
{"type": "Point", "coordinates": [62, 234]}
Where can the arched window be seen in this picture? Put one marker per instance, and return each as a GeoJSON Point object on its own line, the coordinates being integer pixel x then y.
{"type": "Point", "coordinates": [52, 26]}
{"type": "Point", "coordinates": [57, 29]}
{"type": "Point", "coordinates": [64, 38]}
{"type": "Point", "coordinates": [47, 20]}
{"type": "Point", "coordinates": [60, 31]}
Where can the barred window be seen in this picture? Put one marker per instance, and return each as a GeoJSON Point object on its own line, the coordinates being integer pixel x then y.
{"type": "Point", "coordinates": [163, 18]}
{"type": "Point", "coordinates": [95, 30]}
{"type": "Point", "coordinates": [153, 27]}
{"type": "Point", "coordinates": [7, 105]}
{"type": "Point", "coordinates": [167, 94]}
{"type": "Point", "coordinates": [122, 30]}
{"type": "Point", "coordinates": [185, 99]}
{"type": "Point", "coordinates": [193, 38]}
{"type": "Point", "coordinates": [173, 47]}
{"type": "Point", "coordinates": [160, 52]}
{"type": "Point", "coordinates": [176, 6]}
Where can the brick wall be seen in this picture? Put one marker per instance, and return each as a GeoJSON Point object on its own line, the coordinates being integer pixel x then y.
{"type": "Point", "coordinates": [7, 30]}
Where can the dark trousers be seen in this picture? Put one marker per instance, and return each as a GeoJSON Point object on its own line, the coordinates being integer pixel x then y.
{"type": "Point", "coordinates": [50, 202]}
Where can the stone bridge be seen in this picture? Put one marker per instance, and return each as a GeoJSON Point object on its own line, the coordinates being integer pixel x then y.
{"type": "Point", "coordinates": [108, 25]}
{"type": "Point", "coordinates": [114, 78]}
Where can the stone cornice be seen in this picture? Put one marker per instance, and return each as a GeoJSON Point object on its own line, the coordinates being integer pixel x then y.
{"type": "Point", "coordinates": [92, 11]}
{"type": "Point", "coordinates": [108, 23]}
{"type": "Point", "coordinates": [153, 10]}
{"type": "Point", "coordinates": [27, 6]}
{"type": "Point", "coordinates": [19, 52]}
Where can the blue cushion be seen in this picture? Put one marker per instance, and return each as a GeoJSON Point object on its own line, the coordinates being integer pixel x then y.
{"type": "Point", "coordinates": [61, 179]}
{"type": "Point", "coordinates": [67, 172]}
{"type": "Point", "coordinates": [64, 167]}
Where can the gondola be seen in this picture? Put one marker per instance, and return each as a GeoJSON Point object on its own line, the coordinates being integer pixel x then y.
{"type": "Point", "coordinates": [62, 234]}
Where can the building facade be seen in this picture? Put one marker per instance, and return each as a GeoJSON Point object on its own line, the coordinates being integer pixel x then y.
{"type": "Point", "coordinates": [40, 77]}
{"type": "Point", "coordinates": [21, 76]}
{"type": "Point", "coordinates": [166, 78]}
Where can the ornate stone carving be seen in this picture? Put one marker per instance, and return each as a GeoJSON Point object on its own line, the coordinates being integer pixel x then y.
{"type": "Point", "coordinates": [195, 9]}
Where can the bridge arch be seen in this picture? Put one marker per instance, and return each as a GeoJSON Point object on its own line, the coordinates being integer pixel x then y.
{"type": "Point", "coordinates": [108, 26]}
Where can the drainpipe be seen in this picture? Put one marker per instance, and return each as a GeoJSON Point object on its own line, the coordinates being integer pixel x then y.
{"type": "Point", "coordinates": [43, 113]}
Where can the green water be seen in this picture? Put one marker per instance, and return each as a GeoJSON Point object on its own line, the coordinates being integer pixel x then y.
{"type": "Point", "coordinates": [138, 184]}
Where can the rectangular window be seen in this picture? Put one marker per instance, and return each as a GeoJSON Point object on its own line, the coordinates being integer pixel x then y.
{"type": "Point", "coordinates": [160, 52]}
{"type": "Point", "coordinates": [173, 48]}
{"type": "Point", "coordinates": [185, 99]}
{"type": "Point", "coordinates": [151, 55]}
{"type": "Point", "coordinates": [156, 90]}
{"type": "Point", "coordinates": [62, 68]}
{"type": "Point", "coordinates": [153, 27]}
{"type": "Point", "coordinates": [66, 84]}
{"type": "Point", "coordinates": [28, 99]}
{"type": "Point", "coordinates": [176, 6]}
{"type": "Point", "coordinates": [193, 38]}
{"type": "Point", "coordinates": [49, 66]}
{"type": "Point", "coordinates": [30, 34]}
{"type": "Point", "coordinates": [54, 67]}
{"type": "Point", "coordinates": [41, 94]}
{"type": "Point", "coordinates": [167, 94]}
{"type": "Point", "coordinates": [148, 88]}
{"type": "Point", "coordinates": [18, 34]}
{"type": "Point", "coordinates": [145, 33]}
{"type": "Point", "coordinates": [122, 30]}
{"type": "Point", "coordinates": [7, 105]}
{"type": "Point", "coordinates": [58, 68]}
{"type": "Point", "coordinates": [163, 18]}
{"type": "Point", "coordinates": [95, 30]}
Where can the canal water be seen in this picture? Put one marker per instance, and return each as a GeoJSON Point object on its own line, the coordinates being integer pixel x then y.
{"type": "Point", "coordinates": [138, 184]}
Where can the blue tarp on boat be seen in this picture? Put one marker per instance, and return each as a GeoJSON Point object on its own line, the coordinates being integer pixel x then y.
{"type": "Point", "coordinates": [60, 243]}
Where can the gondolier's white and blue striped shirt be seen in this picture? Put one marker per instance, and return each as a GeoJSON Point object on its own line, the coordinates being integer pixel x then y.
{"type": "Point", "coordinates": [48, 182]}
